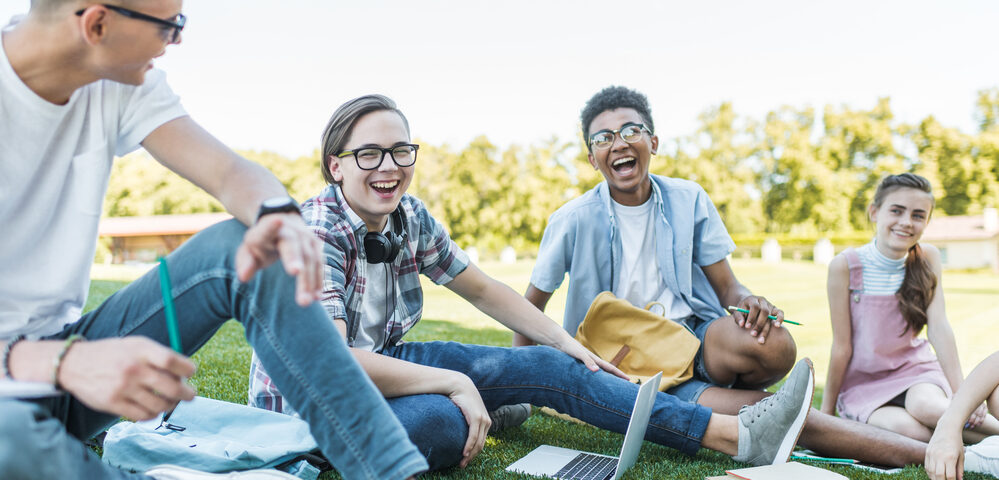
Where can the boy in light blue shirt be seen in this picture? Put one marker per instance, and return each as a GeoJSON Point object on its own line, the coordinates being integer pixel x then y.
{"type": "Point", "coordinates": [651, 238]}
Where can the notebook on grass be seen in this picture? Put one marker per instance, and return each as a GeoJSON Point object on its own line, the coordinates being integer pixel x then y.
{"type": "Point", "coordinates": [565, 463]}
{"type": "Point", "coordinates": [783, 471]}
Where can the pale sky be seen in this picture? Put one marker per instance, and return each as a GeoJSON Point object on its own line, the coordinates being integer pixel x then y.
{"type": "Point", "coordinates": [266, 75]}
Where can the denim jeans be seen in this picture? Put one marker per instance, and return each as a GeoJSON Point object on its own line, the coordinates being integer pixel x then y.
{"type": "Point", "coordinates": [348, 416]}
{"type": "Point", "coordinates": [540, 376]}
{"type": "Point", "coordinates": [692, 389]}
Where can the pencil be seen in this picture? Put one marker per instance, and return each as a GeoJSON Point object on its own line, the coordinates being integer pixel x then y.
{"type": "Point", "coordinates": [171, 319]}
{"type": "Point", "coordinates": [823, 459]}
{"type": "Point", "coordinates": [771, 317]}
{"type": "Point", "coordinates": [171, 316]}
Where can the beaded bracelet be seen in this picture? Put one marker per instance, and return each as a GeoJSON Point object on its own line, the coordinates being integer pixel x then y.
{"type": "Point", "coordinates": [5, 356]}
{"type": "Point", "coordinates": [57, 361]}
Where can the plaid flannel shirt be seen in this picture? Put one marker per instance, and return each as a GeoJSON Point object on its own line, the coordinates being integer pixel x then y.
{"type": "Point", "coordinates": [429, 250]}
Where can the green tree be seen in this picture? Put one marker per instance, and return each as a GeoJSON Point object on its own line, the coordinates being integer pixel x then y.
{"type": "Point", "coordinates": [716, 157]}
{"type": "Point", "coordinates": [861, 145]}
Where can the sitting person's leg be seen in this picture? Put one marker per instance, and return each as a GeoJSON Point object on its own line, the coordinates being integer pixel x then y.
{"type": "Point", "coordinates": [435, 425]}
{"type": "Point", "coordinates": [732, 357]}
{"type": "Point", "coordinates": [350, 420]}
{"type": "Point", "coordinates": [35, 444]}
{"type": "Point", "coordinates": [546, 377]}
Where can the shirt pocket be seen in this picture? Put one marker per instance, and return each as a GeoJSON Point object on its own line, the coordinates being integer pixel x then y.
{"type": "Point", "coordinates": [89, 180]}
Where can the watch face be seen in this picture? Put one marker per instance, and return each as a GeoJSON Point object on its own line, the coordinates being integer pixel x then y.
{"type": "Point", "coordinates": [276, 202]}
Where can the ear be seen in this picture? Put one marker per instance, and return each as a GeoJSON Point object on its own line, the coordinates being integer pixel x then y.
{"type": "Point", "coordinates": [93, 24]}
{"type": "Point", "coordinates": [333, 164]}
{"type": "Point", "coordinates": [872, 211]}
{"type": "Point", "coordinates": [655, 144]}
{"type": "Point", "coordinates": [593, 162]}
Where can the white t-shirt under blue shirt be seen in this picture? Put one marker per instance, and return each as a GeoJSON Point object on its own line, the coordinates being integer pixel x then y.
{"type": "Point", "coordinates": [55, 161]}
{"type": "Point", "coordinates": [640, 281]}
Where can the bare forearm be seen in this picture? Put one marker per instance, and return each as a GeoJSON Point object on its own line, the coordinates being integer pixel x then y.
{"type": "Point", "coordinates": [734, 294]}
{"type": "Point", "coordinates": [942, 338]}
{"type": "Point", "coordinates": [397, 378]}
{"type": "Point", "coordinates": [246, 185]}
{"type": "Point", "coordinates": [981, 382]}
{"type": "Point", "coordinates": [539, 299]}
{"type": "Point", "coordinates": [32, 361]}
{"type": "Point", "coordinates": [839, 358]}
{"type": "Point", "coordinates": [520, 315]}
{"type": "Point", "coordinates": [189, 150]}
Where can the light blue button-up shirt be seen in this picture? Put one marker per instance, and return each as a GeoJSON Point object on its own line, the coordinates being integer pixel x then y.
{"type": "Point", "coordinates": [582, 239]}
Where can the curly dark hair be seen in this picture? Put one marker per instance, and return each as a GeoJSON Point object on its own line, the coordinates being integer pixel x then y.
{"type": "Point", "coordinates": [612, 98]}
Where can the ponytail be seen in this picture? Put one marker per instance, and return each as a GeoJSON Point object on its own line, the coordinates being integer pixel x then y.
{"type": "Point", "coordinates": [916, 292]}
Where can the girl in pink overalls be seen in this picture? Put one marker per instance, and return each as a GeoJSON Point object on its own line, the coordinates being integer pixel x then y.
{"type": "Point", "coordinates": [881, 295]}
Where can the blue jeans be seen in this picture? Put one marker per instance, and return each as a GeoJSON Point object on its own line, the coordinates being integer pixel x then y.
{"type": "Point", "coordinates": [692, 389]}
{"type": "Point", "coordinates": [349, 418]}
{"type": "Point", "coordinates": [540, 376]}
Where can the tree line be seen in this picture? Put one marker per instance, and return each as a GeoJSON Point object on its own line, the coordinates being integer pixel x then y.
{"type": "Point", "coordinates": [795, 171]}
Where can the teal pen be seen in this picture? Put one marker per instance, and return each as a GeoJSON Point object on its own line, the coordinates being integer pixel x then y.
{"type": "Point", "coordinates": [823, 459]}
{"type": "Point", "coordinates": [771, 317]}
{"type": "Point", "coordinates": [171, 316]}
{"type": "Point", "coordinates": [171, 320]}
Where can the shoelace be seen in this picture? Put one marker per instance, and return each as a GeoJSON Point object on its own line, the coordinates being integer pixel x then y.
{"type": "Point", "coordinates": [762, 406]}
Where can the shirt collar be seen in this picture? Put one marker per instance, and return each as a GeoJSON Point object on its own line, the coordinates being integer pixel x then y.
{"type": "Point", "coordinates": [355, 221]}
{"type": "Point", "coordinates": [604, 192]}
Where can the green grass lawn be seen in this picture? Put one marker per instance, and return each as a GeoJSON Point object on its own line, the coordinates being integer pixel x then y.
{"type": "Point", "coordinates": [797, 287]}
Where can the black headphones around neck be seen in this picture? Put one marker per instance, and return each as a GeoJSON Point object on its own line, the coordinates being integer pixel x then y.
{"type": "Point", "coordinates": [384, 248]}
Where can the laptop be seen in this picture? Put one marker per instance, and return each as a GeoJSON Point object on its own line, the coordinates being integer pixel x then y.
{"type": "Point", "coordinates": [565, 463]}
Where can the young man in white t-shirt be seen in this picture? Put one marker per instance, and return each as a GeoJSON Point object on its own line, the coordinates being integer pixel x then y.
{"type": "Point", "coordinates": [76, 88]}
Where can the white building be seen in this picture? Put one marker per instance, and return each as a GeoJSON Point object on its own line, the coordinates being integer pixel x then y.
{"type": "Point", "coordinates": [966, 241]}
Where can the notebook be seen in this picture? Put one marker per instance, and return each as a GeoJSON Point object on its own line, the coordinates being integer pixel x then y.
{"type": "Point", "coordinates": [565, 463]}
{"type": "Point", "coordinates": [782, 471]}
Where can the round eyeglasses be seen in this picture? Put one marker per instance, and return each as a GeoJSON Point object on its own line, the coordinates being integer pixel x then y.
{"type": "Point", "coordinates": [630, 133]}
{"type": "Point", "coordinates": [370, 158]}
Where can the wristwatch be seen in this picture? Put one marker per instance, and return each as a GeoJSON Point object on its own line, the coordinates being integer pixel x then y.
{"type": "Point", "coordinates": [278, 205]}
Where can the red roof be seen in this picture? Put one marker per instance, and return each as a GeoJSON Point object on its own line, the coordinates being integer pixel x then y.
{"type": "Point", "coordinates": [158, 224]}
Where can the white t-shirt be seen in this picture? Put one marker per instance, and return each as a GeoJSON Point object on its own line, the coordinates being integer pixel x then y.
{"type": "Point", "coordinates": [640, 281]}
{"type": "Point", "coordinates": [377, 304]}
{"type": "Point", "coordinates": [54, 166]}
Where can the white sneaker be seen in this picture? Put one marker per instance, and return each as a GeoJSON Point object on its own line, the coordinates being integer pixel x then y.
{"type": "Point", "coordinates": [983, 457]}
{"type": "Point", "coordinates": [173, 472]}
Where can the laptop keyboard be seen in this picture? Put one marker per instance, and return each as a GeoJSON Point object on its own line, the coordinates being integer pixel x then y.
{"type": "Point", "coordinates": [588, 467]}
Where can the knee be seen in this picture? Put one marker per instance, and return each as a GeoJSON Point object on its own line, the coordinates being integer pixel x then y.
{"type": "Point", "coordinates": [436, 426]}
{"type": "Point", "coordinates": [217, 241]}
{"type": "Point", "coordinates": [909, 427]}
{"type": "Point", "coordinates": [774, 359]}
{"type": "Point", "coordinates": [926, 411]}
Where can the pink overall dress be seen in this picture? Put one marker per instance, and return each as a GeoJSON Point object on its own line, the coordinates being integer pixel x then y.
{"type": "Point", "coordinates": [885, 362]}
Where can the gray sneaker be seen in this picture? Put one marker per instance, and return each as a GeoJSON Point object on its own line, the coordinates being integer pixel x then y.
{"type": "Point", "coordinates": [769, 429]}
{"type": "Point", "coordinates": [509, 416]}
{"type": "Point", "coordinates": [983, 457]}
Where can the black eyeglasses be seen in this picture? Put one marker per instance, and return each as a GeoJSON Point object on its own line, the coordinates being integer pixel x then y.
{"type": "Point", "coordinates": [630, 133]}
{"type": "Point", "coordinates": [171, 27]}
{"type": "Point", "coordinates": [370, 158]}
